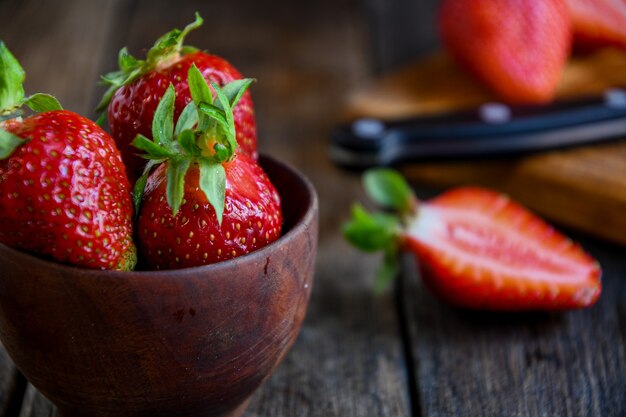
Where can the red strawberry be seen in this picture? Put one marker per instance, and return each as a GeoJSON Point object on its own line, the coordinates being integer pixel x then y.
{"type": "Point", "coordinates": [206, 203]}
{"type": "Point", "coordinates": [478, 249]}
{"type": "Point", "coordinates": [598, 22]}
{"type": "Point", "coordinates": [518, 48]}
{"type": "Point", "coordinates": [135, 91]}
{"type": "Point", "coordinates": [252, 218]}
{"type": "Point", "coordinates": [63, 187]}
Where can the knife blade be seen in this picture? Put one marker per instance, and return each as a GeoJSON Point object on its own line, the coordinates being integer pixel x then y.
{"type": "Point", "coordinates": [492, 129]}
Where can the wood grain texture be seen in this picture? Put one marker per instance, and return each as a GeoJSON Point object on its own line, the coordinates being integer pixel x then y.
{"type": "Point", "coordinates": [584, 188]}
{"type": "Point", "coordinates": [476, 364]}
{"type": "Point", "coordinates": [60, 46]}
{"type": "Point", "coordinates": [400, 30]}
{"type": "Point", "coordinates": [435, 83]}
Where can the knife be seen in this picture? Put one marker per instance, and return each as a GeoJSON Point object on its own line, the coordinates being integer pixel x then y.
{"type": "Point", "coordinates": [492, 129]}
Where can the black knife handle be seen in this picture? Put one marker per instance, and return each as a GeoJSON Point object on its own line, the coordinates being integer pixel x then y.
{"type": "Point", "coordinates": [490, 130]}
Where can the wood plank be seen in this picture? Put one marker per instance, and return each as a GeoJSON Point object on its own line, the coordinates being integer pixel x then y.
{"type": "Point", "coordinates": [435, 84]}
{"type": "Point", "coordinates": [401, 30]}
{"type": "Point", "coordinates": [60, 46]}
{"type": "Point", "coordinates": [348, 360]}
{"type": "Point", "coordinates": [584, 188]}
{"type": "Point", "coordinates": [553, 364]}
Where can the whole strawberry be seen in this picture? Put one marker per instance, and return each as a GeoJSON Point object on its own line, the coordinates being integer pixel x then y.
{"type": "Point", "coordinates": [135, 91]}
{"type": "Point", "coordinates": [63, 188]}
{"type": "Point", "coordinates": [476, 248]}
{"type": "Point", "coordinates": [517, 48]}
{"type": "Point", "coordinates": [204, 203]}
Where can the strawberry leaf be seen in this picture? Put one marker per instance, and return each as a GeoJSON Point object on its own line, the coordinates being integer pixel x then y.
{"type": "Point", "coordinates": [229, 126]}
{"type": "Point", "coordinates": [130, 69]}
{"type": "Point", "coordinates": [153, 150]}
{"type": "Point", "coordinates": [140, 184]}
{"type": "Point", "coordinates": [101, 119]}
{"type": "Point", "coordinates": [371, 232]}
{"type": "Point", "coordinates": [127, 62]}
{"type": "Point", "coordinates": [188, 118]}
{"type": "Point", "coordinates": [213, 184]}
{"type": "Point", "coordinates": [187, 140]}
{"type": "Point", "coordinates": [11, 79]}
{"type": "Point", "coordinates": [198, 87]}
{"type": "Point", "coordinates": [200, 93]}
{"type": "Point", "coordinates": [222, 152]}
{"type": "Point", "coordinates": [389, 189]}
{"type": "Point", "coordinates": [176, 170]}
{"type": "Point", "coordinates": [163, 122]}
{"type": "Point", "coordinates": [43, 102]}
{"type": "Point", "coordinates": [374, 232]}
{"type": "Point", "coordinates": [186, 50]}
{"type": "Point", "coordinates": [387, 271]}
{"type": "Point", "coordinates": [235, 89]}
{"type": "Point", "coordinates": [215, 113]}
{"type": "Point", "coordinates": [8, 143]}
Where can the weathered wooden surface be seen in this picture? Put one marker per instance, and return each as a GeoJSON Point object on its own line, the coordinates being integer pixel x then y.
{"type": "Point", "coordinates": [400, 30]}
{"type": "Point", "coordinates": [558, 364]}
{"type": "Point", "coordinates": [350, 357]}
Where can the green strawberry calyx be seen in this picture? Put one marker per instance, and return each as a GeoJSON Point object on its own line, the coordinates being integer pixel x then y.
{"type": "Point", "coordinates": [204, 134]}
{"type": "Point", "coordinates": [12, 99]}
{"type": "Point", "coordinates": [382, 231]}
{"type": "Point", "coordinates": [168, 48]}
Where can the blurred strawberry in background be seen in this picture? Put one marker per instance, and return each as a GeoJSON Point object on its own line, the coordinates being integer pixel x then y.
{"type": "Point", "coordinates": [518, 48]}
{"type": "Point", "coordinates": [598, 23]}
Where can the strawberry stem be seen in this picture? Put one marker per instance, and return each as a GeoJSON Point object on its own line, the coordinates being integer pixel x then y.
{"type": "Point", "coordinates": [8, 143]}
{"type": "Point", "coordinates": [166, 49]}
{"type": "Point", "coordinates": [373, 232]}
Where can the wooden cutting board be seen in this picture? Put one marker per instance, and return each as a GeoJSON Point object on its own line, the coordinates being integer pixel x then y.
{"type": "Point", "coordinates": [584, 187]}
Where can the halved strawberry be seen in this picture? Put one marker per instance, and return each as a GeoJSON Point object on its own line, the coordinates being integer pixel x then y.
{"type": "Point", "coordinates": [517, 48]}
{"type": "Point", "coordinates": [598, 23]}
{"type": "Point", "coordinates": [63, 188]}
{"type": "Point", "coordinates": [136, 88]}
{"type": "Point", "coordinates": [204, 203]}
{"type": "Point", "coordinates": [477, 248]}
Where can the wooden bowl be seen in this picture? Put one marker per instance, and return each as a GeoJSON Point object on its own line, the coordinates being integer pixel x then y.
{"type": "Point", "coordinates": [188, 342]}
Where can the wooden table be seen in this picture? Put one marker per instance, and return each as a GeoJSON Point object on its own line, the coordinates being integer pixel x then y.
{"type": "Point", "coordinates": [401, 353]}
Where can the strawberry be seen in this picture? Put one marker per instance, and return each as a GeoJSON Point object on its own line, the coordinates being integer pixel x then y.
{"type": "Point", "coordinates": [598, 22]}
{"type": "Point", "coordinates": [517, 48]}
{"type": "Point", "coordinates": [476, 248]}
{"type": "Point", "coordinates": [204, 203]}
{"type": "Point", "coordinates": [63, 188]}
{"type": "Point", "coordinates": [135, 90]}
